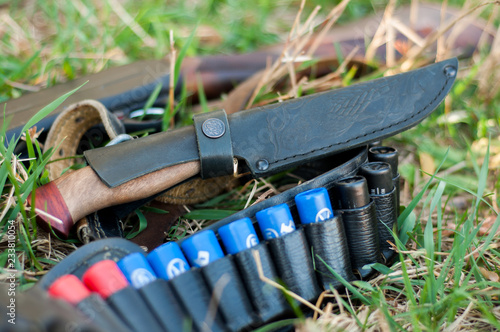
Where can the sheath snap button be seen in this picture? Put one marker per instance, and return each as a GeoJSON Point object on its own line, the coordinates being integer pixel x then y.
{"type": "Point", "coordinates": [262, 164]}
{"type": "Point", "coordinates": [450, 71]}
{"type": "Point", "coordinates": [213, 128]}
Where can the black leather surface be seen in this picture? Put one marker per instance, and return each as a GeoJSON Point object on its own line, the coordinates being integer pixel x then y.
{"type": "Point", "coordinates": [214, 144]}
{"type": "Point", "coordinates": [396, 180]}
{"type": "Point", "coordinates": [164, 304]}
{"type": "Point", "coordinates": [132, 309]}
{"type": "Point", "coordinates": [291, 132]}
{"type": "Point", "coordinates": [387, 217]}
{"type": "Point", "coordinates": [283, 135]}
{"type": "Point", "coordinates": [123, 162]}
{"type": "Point", "coordinates": [267, 300]}
{"type": "Point", "coordinates": [101, 314]}
{"type": "Point", "coordinates": [233, 302]}
{"type": "Point", "coordinates": [193, 293]}
{"type": "Point", "coordinates": [293, 260]}
{"type": "Point", "coordinates": [329, 242]}
{"type": "Point", "coordinates": [99, 225]}
{"type": "Point", "coordinates": [362, 238]}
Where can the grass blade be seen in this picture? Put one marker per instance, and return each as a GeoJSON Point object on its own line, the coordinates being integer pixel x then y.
{"type": "Point", "coordinates": [151, 100]}
{"type": "Point", "coordinates": [49, 108]}
{"type": "Point", "coordinates": [347, 284]}
{"type": "Point", "coordinates": [209, 214]}
{"type": "Point", "coordinates": [403, 216]}
{"type": "Point", "coordinates": [143, 223]}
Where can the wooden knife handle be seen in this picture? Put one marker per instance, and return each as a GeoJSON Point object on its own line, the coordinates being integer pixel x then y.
{"type": "Point", "coordinates": [64, 201]}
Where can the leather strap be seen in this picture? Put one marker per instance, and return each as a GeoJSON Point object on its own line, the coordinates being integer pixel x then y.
{"type": "Point", "coordinates": [70, 135]}
{"type": "Point", "coordinates": [99, 225]}
{"type": "Point", "coordinates": [214, 144]}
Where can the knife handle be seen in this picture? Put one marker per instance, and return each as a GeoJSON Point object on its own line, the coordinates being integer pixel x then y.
{"type": "Point", "coordinates": [62, 202]}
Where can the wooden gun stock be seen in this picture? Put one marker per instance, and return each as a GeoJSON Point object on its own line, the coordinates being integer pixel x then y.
{"type": "Point", "coordinates": [62, 202]}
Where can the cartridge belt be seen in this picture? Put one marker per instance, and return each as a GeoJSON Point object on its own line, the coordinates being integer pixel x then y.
{"type": "Point", "coordinates": [347, 244]}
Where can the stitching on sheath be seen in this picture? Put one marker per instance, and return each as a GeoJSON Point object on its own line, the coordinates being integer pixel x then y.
{"type": "Point", "coordinates": [372, 132]}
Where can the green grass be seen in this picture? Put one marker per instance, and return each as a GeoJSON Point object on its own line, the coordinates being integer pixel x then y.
{"type": "Point", "coordinates": [452, 278]}
{"type": "Point", "coordinates": [18, 180]}
{"type": "Point", "coordinates": [49, 42]}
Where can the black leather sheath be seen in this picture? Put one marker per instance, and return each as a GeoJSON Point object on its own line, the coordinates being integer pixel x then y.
{"type": "Point", "coordinates": [280, 136]}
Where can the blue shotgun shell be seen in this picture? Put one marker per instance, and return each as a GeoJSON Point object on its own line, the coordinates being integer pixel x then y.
{"type": "Point", "coordinates": [168, 261]}
{"type": "Point", "coordinates": [137, 269]}
{"type": "Point", "coordinates": [314, 206]}
{"type": "Point", "coordinates": [202, 248]}
{"type": "Point", "coordinates": [238, 235]}
{"type": "Point", "coordinates": [275, 221]}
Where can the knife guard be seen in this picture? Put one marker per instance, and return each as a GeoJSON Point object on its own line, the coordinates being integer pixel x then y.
{"type": "Point", "coordinates": [164, 304]}
{"type": "Point", "coordinates": [132, 309]}
{"type": "Point", "coordinates": [387, 217]}
{"type": "Point", "coordinates": [268, 301]}
{"type": "Point", "coordinates": [293, 260]}
{"type": "Point", "coordinates": [101, 314]}
{"type": "Point", "coordinates": [328, 241]}
{"type": "Point", "coordinates": [226, 285]}
{"type": "Point", "coordinates": [362, 237]}
{"type": "Point", "coordinates": [192, 292]}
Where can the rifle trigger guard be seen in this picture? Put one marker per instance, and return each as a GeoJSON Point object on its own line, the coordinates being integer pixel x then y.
{"type": "Point", "coordinates": [214, 144]}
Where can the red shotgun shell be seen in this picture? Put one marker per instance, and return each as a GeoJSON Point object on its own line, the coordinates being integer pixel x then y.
{"type": "Point", "coordinates": [69, 288]}
{"type": "Point", "coordinates": [105, 278]}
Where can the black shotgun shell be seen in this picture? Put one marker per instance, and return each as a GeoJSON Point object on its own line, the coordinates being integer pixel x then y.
{"type": "Point", "coordinates": [385, 154]}
{"type": "Point", "coordinates": [378, 175]}
{"type": "Point", "coordinates": [352, 193]}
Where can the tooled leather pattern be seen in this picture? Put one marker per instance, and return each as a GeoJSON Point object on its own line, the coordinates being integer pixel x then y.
{"type": "Point", "coordinates": [69, 128]}
{"type": "Point", "coordinates": [348, 110]}
{"type": "Point", "coordinates": [291, 132]}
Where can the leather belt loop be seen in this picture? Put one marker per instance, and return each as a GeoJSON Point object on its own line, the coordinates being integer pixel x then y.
{"type": "Point", "coordinates": [214, 144]}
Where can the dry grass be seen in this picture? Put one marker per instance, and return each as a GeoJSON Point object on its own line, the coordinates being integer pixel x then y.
{"type": "Point", "coordinates": [337, 318]}
{"type": "Point", "coordinates": [338, 311]}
